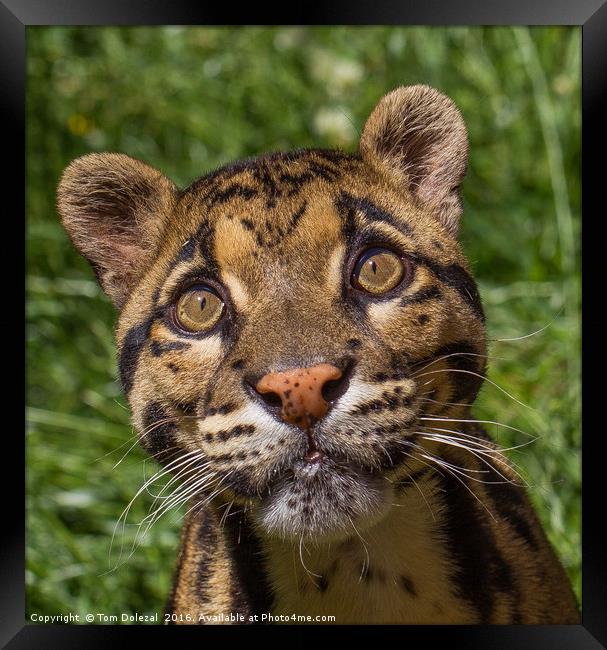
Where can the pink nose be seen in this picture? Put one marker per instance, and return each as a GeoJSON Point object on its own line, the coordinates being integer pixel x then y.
{"type": "Point", "coordinates": [300, 392]}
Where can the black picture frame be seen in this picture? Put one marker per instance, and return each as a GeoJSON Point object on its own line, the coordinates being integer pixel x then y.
{"type": "Point", "coordinates": [591, 15]}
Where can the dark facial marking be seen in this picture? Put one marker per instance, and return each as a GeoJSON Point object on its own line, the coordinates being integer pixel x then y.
{"type": "Point", "coordinates": [130, 351]}
{"type": "Point", "coordinates": [158, 348]}
{"type": "Point", "coordinates": [388, 401]}
{"type": "Point", "coordinates": [373, 212]}
{"type": "Point", "coordinates": [296, 181]}
{"type": "Point", "coordinates": [463, 358]}
{"type": "Point", "coordinates": [399, 367]}
{"type": "Point", "coordinates": [201, 242]}
{"type": "Point", "coordinates": [296, 216]}
{"type": "Point", "coordinates": [348, 217]}
{"type": "Point", "coordinates": [236, 189]}
{"type": "Point", "coordinates": [224, 409]}
{"type": "Point", "coordinates": [274, 236]}
{"type": "Point", "coordinates": [159, 435]}
{"type": "Point", "coordinates": [238, 430]}
{"type": "Point", "coordinates": [456, 277]}
{"type": "Point", "coordinates": [324, 172]}
{"type": "Point", "coordinates": [239, 481]}
{"type": "Point", "coordinates": [205, 238]}
{"type": "Point", "coordinates": [264, 176]}
{"type": "Point", "coordinates": [189, 408]}
{"type": "Point", "coordinates": [277, 160]}
{"type": "Point", "coordinates": [407, 585]}
{"type": "Point", "coordinates": [427, 293]}
{"type": "Point", "coordinates": [186, 253]}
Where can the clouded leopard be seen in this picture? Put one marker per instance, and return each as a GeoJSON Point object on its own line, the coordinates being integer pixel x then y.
{"type": "Point", "coordinates": [300, 340]}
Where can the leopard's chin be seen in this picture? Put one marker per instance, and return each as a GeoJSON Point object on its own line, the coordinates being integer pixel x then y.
{"type": "Point", "coordinates": [323, 502]}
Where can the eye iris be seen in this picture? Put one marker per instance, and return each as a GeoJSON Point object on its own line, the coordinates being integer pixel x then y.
{"type": "Point", "coordinates": [378, 270]}
{"type": "Point", "coordinates": [198, 309]}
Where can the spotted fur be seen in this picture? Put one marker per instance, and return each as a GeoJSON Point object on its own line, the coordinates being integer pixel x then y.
{"type": "Point", "coordinates": [381, 532]}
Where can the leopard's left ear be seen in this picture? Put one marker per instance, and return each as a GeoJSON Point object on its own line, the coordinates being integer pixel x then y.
{"type": "Point", "coordinates": [417, 136]}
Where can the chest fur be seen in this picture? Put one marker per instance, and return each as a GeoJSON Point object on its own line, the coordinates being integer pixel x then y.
{"type": "Point", "coordinates": [398, 571]}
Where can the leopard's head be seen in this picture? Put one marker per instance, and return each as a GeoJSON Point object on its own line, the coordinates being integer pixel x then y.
{"type": "Point", "coordinates": [288, 323]}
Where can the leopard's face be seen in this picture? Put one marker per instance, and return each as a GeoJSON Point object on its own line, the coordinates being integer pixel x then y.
{"type": "Point", "coordinates": [306, 260]}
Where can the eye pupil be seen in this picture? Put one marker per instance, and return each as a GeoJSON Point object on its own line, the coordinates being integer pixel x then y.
{"type": "Point", "coordinates": [379, 270]}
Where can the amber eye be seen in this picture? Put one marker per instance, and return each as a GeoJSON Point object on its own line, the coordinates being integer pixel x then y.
{"type": "Point", "coordinates": [378, 270]}
{"type": "Point", "coordinates": [198, 309]}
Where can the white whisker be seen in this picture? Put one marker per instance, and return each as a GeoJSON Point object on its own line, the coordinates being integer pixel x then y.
{"type": "Point", "coordinates": [476, 374]}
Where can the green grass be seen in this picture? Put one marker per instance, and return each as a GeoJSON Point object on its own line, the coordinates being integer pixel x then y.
{"type": "Point", "coordinates": [189, 99]}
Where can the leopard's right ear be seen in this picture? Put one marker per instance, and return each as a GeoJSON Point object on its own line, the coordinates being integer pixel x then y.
{"type": "Point", "coordinates": [113, 208]}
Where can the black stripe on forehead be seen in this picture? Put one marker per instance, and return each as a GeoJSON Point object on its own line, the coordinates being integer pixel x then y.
{"type": "Point", "coordinates": [218, 197]}
{"type": "Point", "coordinates": [205, 238]}
{"type": "Point", "coordinates": [186, 253]}
{"type": "Point", "coordinates": [201, 242]}
{"type": "Point", "coordinates": [268, 235]}
{"type": "Point", "coordinates": [276, 158]}
{"type": "Point", "coordinates": [271, 189]}
{"type": "Point", "coordinates": [347, 203]}
{"type": "Point", "coordinates": [348, 213]}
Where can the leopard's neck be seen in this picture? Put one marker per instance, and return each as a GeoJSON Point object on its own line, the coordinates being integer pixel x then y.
{"type": "Point", "coordinates": [399, 570]}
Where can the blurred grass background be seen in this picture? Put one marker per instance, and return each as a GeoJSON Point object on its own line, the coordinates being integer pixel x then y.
{"type": "Point", "coordinates": [189, 99]}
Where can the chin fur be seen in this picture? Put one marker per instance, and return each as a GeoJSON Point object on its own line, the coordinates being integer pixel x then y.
{"type": "Point", "coordinates": [323, 502]}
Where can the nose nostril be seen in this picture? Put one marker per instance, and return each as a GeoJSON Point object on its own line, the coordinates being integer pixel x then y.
{"type": "Point", "coordinates": [271, 399]}
{"type": "Point", "coordinates": [333, 389]}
